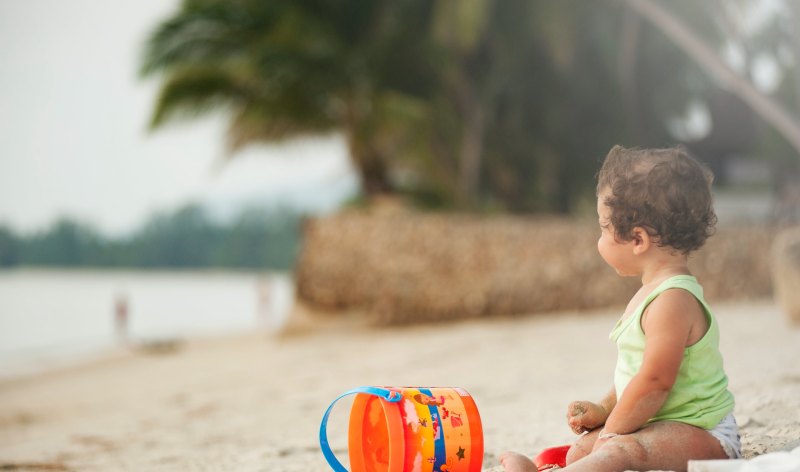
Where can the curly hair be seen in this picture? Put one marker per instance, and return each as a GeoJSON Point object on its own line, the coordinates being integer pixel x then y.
{"type": "Point", "coordinates": [664, 191]}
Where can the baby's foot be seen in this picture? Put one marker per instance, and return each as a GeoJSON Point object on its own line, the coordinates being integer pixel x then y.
{"type": "Point", "coordinates": [513, 462]}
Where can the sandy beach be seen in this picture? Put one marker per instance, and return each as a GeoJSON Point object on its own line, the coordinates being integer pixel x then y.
{"type": "Point", "coordinates": [254, 402]}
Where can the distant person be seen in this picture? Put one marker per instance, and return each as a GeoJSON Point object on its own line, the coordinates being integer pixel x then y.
{"type": "Point", "coordinates": [670, 401]}
{"type": "Point", "coordinates": [121, 317]}
{"type": "Point", "coordinates": [265, 300]}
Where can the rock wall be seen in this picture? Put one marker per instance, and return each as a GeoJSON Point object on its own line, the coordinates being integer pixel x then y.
{"type": "Point", "coordinates": [410, 267]}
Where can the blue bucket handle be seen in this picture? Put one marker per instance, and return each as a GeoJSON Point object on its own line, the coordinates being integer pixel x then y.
{"type": "Point", "coordinates": [390, 396]}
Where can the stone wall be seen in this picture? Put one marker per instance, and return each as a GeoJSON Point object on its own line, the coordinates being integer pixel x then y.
{"type": "Point", "coordinates": [409, 267]}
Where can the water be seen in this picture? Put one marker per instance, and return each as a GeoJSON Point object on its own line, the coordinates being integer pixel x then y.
{"type": "Point", "coordinates": [52, 317]}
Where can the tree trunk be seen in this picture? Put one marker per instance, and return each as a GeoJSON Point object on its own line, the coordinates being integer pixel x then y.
{"type": "Point", "coordinates": [374, 179]}
{"type": "Point", "coordinates": [626, 70]}
{"type": "Point", "coordinates": [471, 150]}
{"type": "Point", "coordinates": [794, 11]}
{"type": "Point", "coordinates": [768, 109]}
{"type": "Point", "coordinates": [372, 170]}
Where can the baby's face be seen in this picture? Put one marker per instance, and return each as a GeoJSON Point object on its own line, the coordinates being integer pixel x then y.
{"type": "Point", "coordinates": [617, 254]}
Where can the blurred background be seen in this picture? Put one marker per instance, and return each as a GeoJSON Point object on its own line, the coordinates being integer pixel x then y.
{"type": "Point", "coordinates": [162, 162]}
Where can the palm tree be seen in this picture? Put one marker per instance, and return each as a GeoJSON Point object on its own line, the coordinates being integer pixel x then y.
{"type": "Point", "coordinates": [285, 68]}
{"type": "Point", "coordinates": [496, 103]}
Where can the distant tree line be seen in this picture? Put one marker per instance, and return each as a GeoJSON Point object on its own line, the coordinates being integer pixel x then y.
{"type": "Point", "coordinates": [186, 238]}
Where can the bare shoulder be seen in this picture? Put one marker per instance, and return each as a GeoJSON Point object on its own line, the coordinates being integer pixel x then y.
{"type": "Point", "coordinates": [678, 299]}
{"type": "Point", "coordinates": [678, 309]}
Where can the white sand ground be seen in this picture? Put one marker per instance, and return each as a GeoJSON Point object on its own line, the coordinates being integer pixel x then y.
{"type": "Point", "coordinates": [254, 403]}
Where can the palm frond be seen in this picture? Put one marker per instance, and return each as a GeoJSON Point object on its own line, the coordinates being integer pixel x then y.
{"type": "Point", "coordinates": [213, 31]}
{"type": "Point", "coordinates": [260, 122]}
{"type": "Point", "coordinates": [193, 91]}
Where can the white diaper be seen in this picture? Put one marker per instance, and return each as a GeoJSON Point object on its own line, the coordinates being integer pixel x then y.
{"type": "Point", "coordinates": [727, 432]}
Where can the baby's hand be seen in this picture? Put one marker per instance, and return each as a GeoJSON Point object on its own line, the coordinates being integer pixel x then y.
{"type": "Point", "coordinates": [585, 416]}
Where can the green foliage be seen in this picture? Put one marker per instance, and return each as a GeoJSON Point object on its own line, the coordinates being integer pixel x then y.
{"type": "Point", "coordinates": [187, 238]}
{"type": "Point", "coordinates": [243, 242]}
{"type": "Point", "coordinates": [66, 243]}
{"type": "Point", "coordinates": [9, 247]}
{"type": "Point", "coordinates": [182, 239]}
{"type": "Point", "coordinates": [283, 68]}
{"type": "Point", "coordinates": [473, 104]}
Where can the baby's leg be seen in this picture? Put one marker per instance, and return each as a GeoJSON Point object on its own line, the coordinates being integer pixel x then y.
{"type": "Point", "coordinates": [664, 445]}
{"type": "Point", "coordinates": [583, 446]}
{"type": "Point", "coordinates": [514, 462]}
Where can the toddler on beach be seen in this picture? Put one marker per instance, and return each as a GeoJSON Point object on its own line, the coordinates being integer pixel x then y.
{"type": "Point", "coordinates": [670, 401]}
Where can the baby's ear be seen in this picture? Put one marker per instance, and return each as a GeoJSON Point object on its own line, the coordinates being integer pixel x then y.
{"type": "Point", "coordinates": [641, 240]}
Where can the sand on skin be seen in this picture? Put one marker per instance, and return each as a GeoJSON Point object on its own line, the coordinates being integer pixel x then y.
{"type": "Point", "coordinates": [253, 403]}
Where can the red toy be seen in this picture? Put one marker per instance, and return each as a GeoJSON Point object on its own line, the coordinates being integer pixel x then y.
{"type": "Point", "coordinates": [552, 457]}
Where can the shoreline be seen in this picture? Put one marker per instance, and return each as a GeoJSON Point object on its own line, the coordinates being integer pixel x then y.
{"type": "Point", "coordinates": [35, 369]}
{"type": "Point", "coordinates": [254, 401]}
{"type": "Point", "coordinates": [50, 317]}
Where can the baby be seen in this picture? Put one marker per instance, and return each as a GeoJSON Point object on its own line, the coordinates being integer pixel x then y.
{"type": "Point", "coordinates": [670, 401]}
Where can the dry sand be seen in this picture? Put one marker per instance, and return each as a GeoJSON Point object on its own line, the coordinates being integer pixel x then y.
{"type": "Point", "coordinates": [253, 403]}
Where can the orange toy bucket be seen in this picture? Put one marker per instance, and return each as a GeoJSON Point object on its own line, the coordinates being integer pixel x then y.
{"type": "Point", "coordinates": [410, 429]}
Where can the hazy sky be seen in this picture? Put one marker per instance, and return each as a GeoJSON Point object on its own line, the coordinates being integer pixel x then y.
{"type": "Point", "coordinates": [73, 134]}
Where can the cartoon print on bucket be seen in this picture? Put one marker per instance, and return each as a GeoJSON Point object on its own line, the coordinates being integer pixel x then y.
{"type": "Point", "coordinates": [410, 429]}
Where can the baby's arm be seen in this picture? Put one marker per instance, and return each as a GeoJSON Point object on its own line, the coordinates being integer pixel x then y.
{"type": "Point", "coordinates": [585, 416]}
{"type": "Point", "coordinates": [667, 327]}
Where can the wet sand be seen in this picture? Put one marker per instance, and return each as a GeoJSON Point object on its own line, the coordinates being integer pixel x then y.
{"type": "Point", "coordinates": [253, 403]}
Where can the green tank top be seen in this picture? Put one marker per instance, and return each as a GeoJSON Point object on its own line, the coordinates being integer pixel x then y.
{"type": "Point", "coordinates": [700, 396]}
